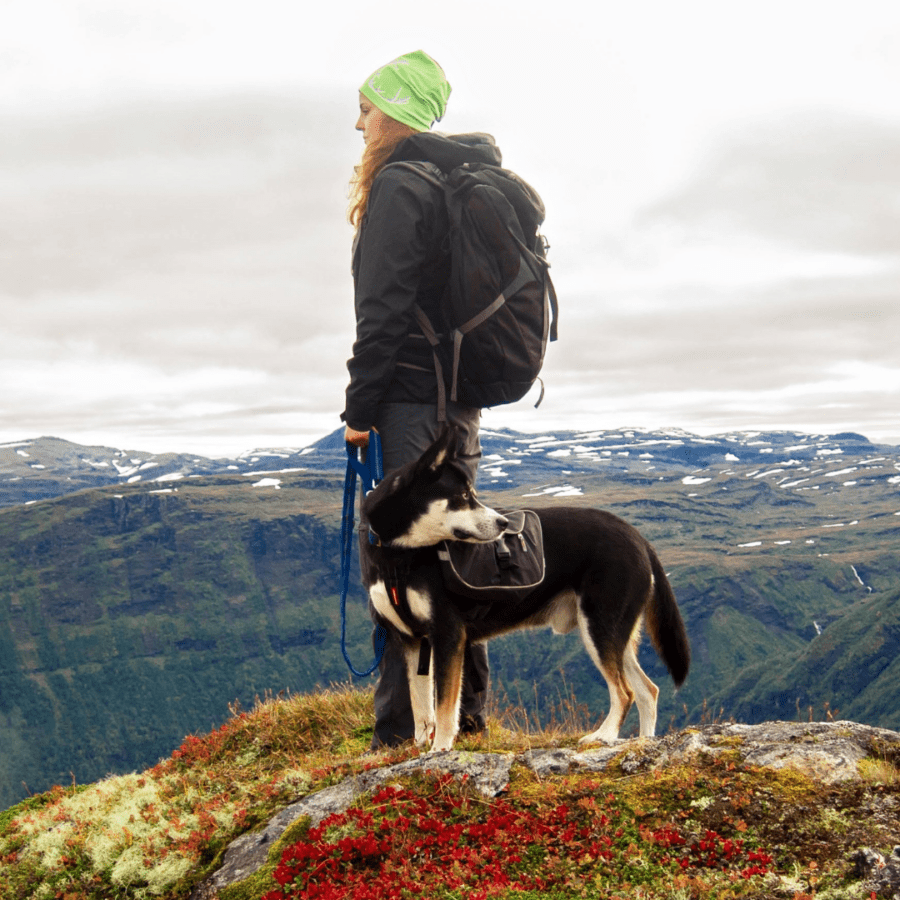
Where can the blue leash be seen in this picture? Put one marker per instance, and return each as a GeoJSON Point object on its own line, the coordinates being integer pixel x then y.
{"type": "Point", "coordinates": [370, 473]}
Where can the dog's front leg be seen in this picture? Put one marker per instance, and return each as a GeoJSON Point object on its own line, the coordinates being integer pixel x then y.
{"type": "Point", "coordinates": [421, 695]}
{"type": "Point", "coordinates": [447, 660]}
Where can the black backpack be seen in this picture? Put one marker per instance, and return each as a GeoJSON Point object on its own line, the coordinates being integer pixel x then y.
{"type": "Point", "coordinates": [500, 307]}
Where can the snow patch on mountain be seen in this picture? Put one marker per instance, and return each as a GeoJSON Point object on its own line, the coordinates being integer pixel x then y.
{"type": "Point", "coordinates": [788, 461]}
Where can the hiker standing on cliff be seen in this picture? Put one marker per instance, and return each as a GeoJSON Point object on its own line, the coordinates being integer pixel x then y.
{"type": "Point", "coordinates": [400, 259]}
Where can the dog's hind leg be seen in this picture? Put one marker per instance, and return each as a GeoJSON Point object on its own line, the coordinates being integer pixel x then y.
{"type": "Point", "coordinates": [620, 700]}
{"type": "Point", "coordinates": [421, 694]}
{"type": "Point", "coordinates": [448, 666]}
{"type": "Point", "coordinates": [645, 691]}
{"type": "Point", "coordinates": [620, 694]}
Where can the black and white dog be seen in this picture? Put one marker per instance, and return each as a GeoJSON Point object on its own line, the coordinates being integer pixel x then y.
{"type": "Point", "coordinates": [601, 576]}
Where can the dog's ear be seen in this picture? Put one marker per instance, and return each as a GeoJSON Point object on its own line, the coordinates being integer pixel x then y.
{"type": "Point", "coordinates": [442, 451]}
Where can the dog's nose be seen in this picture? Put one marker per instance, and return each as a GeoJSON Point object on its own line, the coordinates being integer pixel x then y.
{"type": "Point", "coordinates": [502, 522]}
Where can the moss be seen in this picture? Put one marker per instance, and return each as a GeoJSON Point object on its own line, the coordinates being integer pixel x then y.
{"type": "Point", "coordinates": [131, 870]}
{"type": "Point", "coordinates": [7, 817]}
{"type": "Point", "coordinates": [881, 749]}
{"type": "Point", "coordinates": [251, 888]}
{"type": "Point", "coordinates": [297, 830]}
{"type": "Point", "coordinates": [789, 785]}
{"type": "Point", "coordinates": [879, 771]}
{"type": "Point", "coordinates": [262, 881]}
{"type": "Point", "coordinates": [835, 821]}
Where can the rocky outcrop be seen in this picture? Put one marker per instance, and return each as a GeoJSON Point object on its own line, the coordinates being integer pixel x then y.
{"type": "Point", "coordinates": [827, 751]}
{"type": "Point", "coordinates": [489, 772]}
{"type": "Point", "coordinates": [880, 876]}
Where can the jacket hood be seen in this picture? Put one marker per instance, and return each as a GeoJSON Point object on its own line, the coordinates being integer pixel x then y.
{"type": "Point", "coordinates": [448, 151]}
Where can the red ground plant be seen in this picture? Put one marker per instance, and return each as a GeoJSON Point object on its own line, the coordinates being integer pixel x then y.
{"type": "Point", "coordinates": [408, 843]}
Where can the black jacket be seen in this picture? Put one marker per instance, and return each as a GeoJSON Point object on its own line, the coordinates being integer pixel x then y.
{"type": "Point", "coordinates": [400, 259]}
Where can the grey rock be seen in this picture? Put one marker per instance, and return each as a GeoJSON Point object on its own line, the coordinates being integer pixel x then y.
{"type": "Point", "coordinates": [829, 751]}
{"type": "Point", "coordinates": [549, 762]}
{"type": "Point", "coordinates": [880, 875]}
{"type": "Point", "coordinates": [488, 772]}
{"type": "Point", "coordinates": [599, 758]}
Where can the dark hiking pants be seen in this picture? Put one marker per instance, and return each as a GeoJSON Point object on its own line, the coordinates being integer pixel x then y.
{"type": "Point", "coordinates": [407, 430]}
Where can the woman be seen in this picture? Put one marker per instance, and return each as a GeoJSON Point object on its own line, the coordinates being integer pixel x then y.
{"type": "Point", "coordinates": [399, 260]}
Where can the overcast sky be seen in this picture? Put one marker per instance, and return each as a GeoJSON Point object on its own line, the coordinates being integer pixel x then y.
{"type": "Point", "coordinates": [722, 182]}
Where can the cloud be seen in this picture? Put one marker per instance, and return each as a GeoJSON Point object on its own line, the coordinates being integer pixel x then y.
{"type": "Point", "coordinates": [776, 332]}
{"type": "Point", "coordinates": [150, 187]}
{"type": "Point", "coordinates": [176, 276]}
{"type": "Point", "coordinates": [825, 183]}
{"type": "Point", "coordinates": [161, 256]}
{"type": "Point", "coordinates": [762, 292]}
{"type": "Point", "coordinates": [202, 209]}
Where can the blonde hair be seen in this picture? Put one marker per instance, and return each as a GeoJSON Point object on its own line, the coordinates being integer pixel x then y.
{"type": "Point", "coordinates": [374, 157]}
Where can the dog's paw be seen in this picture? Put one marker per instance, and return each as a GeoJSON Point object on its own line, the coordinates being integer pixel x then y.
{"type": "Point", "coordinates": [443, 739]}
{"type": "Point", "coordinates": [597, 737]}
{"type": "Point", "coordinates": [425, 735]}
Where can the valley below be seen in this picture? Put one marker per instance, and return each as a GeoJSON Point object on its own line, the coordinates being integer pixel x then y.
{"type": "Point", "coordinates": [146, 602]}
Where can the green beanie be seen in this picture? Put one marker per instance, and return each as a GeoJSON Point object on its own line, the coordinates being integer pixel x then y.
{"type": "Point", "coordinates": [411, 89]}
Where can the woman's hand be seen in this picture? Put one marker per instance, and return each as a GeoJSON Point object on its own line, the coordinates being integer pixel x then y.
{"type": "Point", "coordinates": [356, 438]}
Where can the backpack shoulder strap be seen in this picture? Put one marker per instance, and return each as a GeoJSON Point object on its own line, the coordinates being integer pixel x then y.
{"type": "Point", "coordinates": [427, 170]}
{"type": "Point", "coordinates": [432, 174]}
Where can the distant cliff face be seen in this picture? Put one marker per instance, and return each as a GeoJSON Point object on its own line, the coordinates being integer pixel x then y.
{"type": "Point", "coordinates": [133, 614]}
{"type": "Point", "coordinates": [130, 618]}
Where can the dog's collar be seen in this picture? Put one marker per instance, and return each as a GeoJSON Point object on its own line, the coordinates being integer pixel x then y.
{"type": "Point", "coordinates": [376, 541]}
{"type": "Point", "coordinates": [402, 549]}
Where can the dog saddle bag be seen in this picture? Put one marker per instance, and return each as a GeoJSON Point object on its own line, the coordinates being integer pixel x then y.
{"type": "Point", "coordinates": [511, 565]}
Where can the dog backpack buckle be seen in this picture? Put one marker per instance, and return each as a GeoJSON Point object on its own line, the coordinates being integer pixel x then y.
{"type": "Point", "coordinates": [502, 553]}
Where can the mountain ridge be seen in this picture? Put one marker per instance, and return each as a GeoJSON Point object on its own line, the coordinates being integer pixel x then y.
{"type": "Point", "coordinates": [47, 467]}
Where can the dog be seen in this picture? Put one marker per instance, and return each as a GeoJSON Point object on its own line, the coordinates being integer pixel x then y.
{"type": "Point", "coordinates": [601, 576]}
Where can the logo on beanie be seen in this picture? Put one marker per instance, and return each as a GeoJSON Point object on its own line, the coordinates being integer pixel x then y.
{"type": "Point", "coordinates": [399, 97]}
{"type": "Point", "coordinates": [399, 61]}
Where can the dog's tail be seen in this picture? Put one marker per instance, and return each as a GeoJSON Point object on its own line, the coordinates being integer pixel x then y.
{"type": "Point", "coordinates": [665, 626]}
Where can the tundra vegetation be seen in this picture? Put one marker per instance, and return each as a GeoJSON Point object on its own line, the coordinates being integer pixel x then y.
{"type": "Point", "coordinates": [704, 827]}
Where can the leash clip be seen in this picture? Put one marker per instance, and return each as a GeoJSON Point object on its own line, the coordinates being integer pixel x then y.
{"type": "Point", "coordinates": [370, 470]}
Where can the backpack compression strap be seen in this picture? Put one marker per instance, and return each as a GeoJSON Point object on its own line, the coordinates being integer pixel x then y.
{"type": "Point", "coordinates": [432, 338]}
{"type": "Point", "coordinates": [524, 277]}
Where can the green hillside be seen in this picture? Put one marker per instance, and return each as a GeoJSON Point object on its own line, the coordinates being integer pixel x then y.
{"type": "Point", "coordinates": [853, 665]}
{"type": "Point", "coordinates": [129, 619]}
{"type": "Point", "coordinates": [132, 616]}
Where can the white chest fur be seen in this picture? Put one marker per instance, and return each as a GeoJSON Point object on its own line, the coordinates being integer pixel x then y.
{"type": "Point", "coordinates": [384, 603]}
